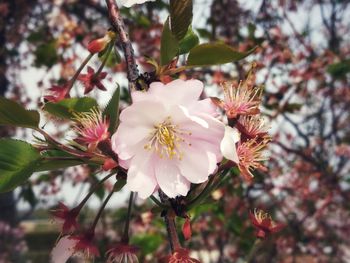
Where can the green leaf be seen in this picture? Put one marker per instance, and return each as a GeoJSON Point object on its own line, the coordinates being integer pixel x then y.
{"type": "Point", "coordinates": [339, 70]}
{"type": "Point", "coordinates": [292, 107]}
{"type": "Point", "coordinates": [18, 161]}
{"type": "Point", "coordinates": [112, 111]}
{"type": "Point", "coordinates": [214, 54]}
{"type": "Point", "coordinates": [29, 195]}
{"type": "Point", "coordinates": [180, 17]}
{"type": "Point", "coordinates": [13, 114]}
{"type": "Point", "coordinates": [169, 46]}
{"type": "Point", "coordinates": [47, 164]}
{"type": "Point", "coordinates": [113, 58]}
{"type": "Point", "coordinates": [66, 108]}
{"type": "Point", "coordinates": [46, 54]}
{"type": "Point", "coordinates": [119, 185]}
{"type": "Point", "coordinates": [188, 42]}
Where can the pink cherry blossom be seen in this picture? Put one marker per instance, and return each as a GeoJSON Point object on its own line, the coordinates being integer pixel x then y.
{"type": "Point", "coordinates": [92, 127]}
{"type": "Point", "coordinates": [251, 154]}
{"type": "Point", "coordinates": [241, 100]}
{"type": "Point", "coordinates": [168, 138]}
{"type": "Point", "coordinates": [264, 224]}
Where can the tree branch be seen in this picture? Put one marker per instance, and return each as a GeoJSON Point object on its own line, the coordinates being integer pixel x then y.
{"type": "Point", "coordinates": [118, 25]}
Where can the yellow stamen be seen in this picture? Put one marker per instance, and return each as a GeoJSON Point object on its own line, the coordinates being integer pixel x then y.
{"type": "Point", "coordinates": [166, 138]}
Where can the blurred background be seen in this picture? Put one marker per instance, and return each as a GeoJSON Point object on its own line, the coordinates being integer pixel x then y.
{"type": "Point", "coordinates": [303, 61]}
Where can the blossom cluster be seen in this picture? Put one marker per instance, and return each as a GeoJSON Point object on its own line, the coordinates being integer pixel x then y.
{"type": "Point", "coordinates": [168, 141]}
{"type": "Point", "coordinates": [247, 131]}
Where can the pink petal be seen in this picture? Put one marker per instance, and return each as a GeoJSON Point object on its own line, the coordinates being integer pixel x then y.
{"type": "Point", "coordinates": [195, 166]}
{"type": "Point", "coordinates": [141, 177]}
{"type": "Point", "coordinates": [209, 138]}
{"type": "Point", "coordinates": [127, 141]}
{"type": "Point", "coordinates": [177, 92]}
{"type": "Point", "coordinates": [204, 106]}
{"type": "Point", "coordinates": [228, 144]}
{"type": "Point", "coordinates": [169, 178]}
{"type": "Point", "coordinates": [90, 70]}
{"type": "Point", "coordinates": [143, 113]}
{"type": "Point", "coordinates": [63, 250]}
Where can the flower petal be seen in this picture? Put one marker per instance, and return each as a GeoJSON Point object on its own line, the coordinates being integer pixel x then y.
{"type": "Point", "coordinates": [63, 250]}
{"type": "Point", "coordinates": [177, 92]}
{"type": "Point", "coordinates": [170, 180]}
{"type": "Point", "coordinates": [204, 106]}
{"type": "Point", "coordinates": [127, 141]}
{"type": "Point", "coordinates": [228, 144]}
{"type": "Point", "coordinates": [143, 113]}
{"type": "Point", "coordinates": [141, 178]}
{"type": "Point", "coordinates": [195, 165]}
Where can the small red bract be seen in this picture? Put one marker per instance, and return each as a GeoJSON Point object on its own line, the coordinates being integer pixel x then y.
{"type": "Point", "coordinates": [85, 244]}
{"type": "Point", "coordinates": [57, 93]}
{"type": "Point", "coordinates": [67, 216]}
{"type": "Point", "coordinates": [92, 80]}
{"type": "Point", "coordinates": [264, 224]}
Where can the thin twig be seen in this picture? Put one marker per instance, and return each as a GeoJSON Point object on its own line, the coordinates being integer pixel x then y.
{"type": "Point", "coordinates": [125, 237]}
{"type": "Point", "coordinates": [118, 25]}
{"type": "Point", "coordinates": [169, 219]}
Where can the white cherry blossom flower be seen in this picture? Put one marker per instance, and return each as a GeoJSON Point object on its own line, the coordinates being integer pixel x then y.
{"type": "Point", "coordinates": [168, 138]}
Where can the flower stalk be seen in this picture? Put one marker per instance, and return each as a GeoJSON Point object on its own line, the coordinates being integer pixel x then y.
{"type": "Point", "coordinates": [93, 226]}
{"type": "Point", "coordinates": [108, 52]}
{"type": "Point", "coordinates": [169, 220]}
{"type": "Point", "coordinates": [125, 238]}
{"type": "Point", "coordinates": [118, 25]}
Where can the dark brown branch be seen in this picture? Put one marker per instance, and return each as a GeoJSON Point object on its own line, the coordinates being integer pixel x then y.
{"type": "Point", "coordinates": [118, 25]}
{"type": "Point", "coordinates": [169, 219]}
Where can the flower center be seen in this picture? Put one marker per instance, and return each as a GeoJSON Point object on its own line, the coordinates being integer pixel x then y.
{"type": "Point", "coordinates": [165, 139]}
{"type": "Point", "coordinates": [261, 216]}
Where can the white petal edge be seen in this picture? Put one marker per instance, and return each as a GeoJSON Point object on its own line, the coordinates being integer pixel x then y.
{"type": "Point", "coordinates": [63, 250]}
{"type": "Point", "coordinates": [228, 144]}
{"type": "Point", "coordinates": [170, 180]}
{"type": "Point", "coordinates": [141, 178]}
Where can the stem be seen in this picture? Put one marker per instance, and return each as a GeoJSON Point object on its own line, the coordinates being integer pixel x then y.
{"type": "Point", "coordinates": [81, 67]}
{"type": "Point", "coordinates": [106, 148]}
{"type": "Point", "coordinates": [94, 188]}
{"type": "Point", "coordinates": [118, 25]}
{"type": "Point", "coordinates": [125, 238]}
{"type": "Point", "coordinates": [93, 226]}
{"type": "Point", "coordinates": [201, 195]}
{"type": "Point", "coordinates": [108, 52]}
{"type": "Point", "coordinates": [62, 147]}
{"type": "Point", "coordinates": [172, 233]}
{"type": "Point", "coordinates": [157, 202]}
{"type": "Point", "coordinates": [169, 220]}
{"type": "Point", "coordinates": [253, 251]}
{"type": "Point", "coordinates": [211, 185]}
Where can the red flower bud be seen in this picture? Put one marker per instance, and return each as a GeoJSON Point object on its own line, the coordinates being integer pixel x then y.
{"type": "Point", "coordinates": [99, 44]}
{"type": "Point", "coordinates": [109, 164]}
{"type": "Point", "coordinates": [186, 229]}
